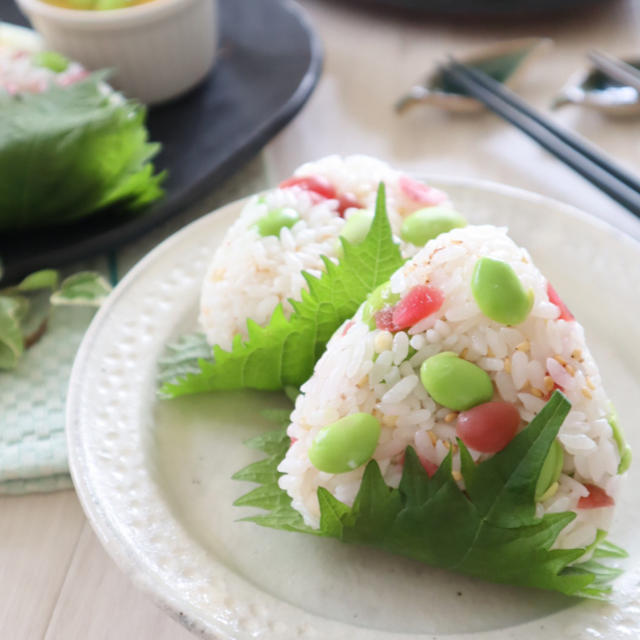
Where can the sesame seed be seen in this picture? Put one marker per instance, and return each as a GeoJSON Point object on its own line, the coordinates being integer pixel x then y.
{"type": "Point", "coordinates": [559, 359]}
{"type": "Point", "coordinates": [524, 346]}
{"type": "Point", "coordinates": [507, 365]}
{"type": "Point", "coordinates": [457, 476]}
{"type": "Point", "coordinates": [590, 383]}
{"type": "Point", "coordinates": [450, 417]}
{"type": "Point", "coordinates": [586, 393]}
{"type": "Point", "coordinates": [536, 392]}
{"type": "Point", "coordinates": [383, 341]}
{"type": "Point", "coordinates": [432, 437]}
{"type": "Point", "coordinates": [570, 370]}
{"type": "Point", "coordinates": [548, 383]}
{"type": "Point", "coordinates": [464, 352]}
{"type": "Point", "coordinates": [447, 444]}
{"type": "Point", "coordinates": [576, 354]}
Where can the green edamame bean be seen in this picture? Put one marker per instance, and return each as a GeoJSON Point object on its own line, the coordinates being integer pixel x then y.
{"type": "Point", "coordinates": [499, 293]}
{"type": "Point", "coordinates": [378, 299]}
{"type": "Point", "coordinates": [103, 5]}
{"type": "Point", "coordinates": [425, 224]}
{"type": "Point", "coordinates": [623, 448]}
{"type": "Point", "coordinates": [455, 383]}
{"type": "Point", "coordinates": [550, 471]}
{"type": "Point", "coordinates": [357, 226]}
{"type": "Point", "coordinates": [50, 60]}
{"type": "Point", "coordinates": [355, 229]}
{"type": "Point", "coordinates": [345, 444]}
{"type": "Point", "coordinates": [271, 223]}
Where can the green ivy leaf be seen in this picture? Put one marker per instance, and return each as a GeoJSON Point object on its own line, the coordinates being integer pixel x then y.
{"type": "Point", "coordinates": [11, 341]}
{"type": "Point", "coordinates": [85, 288]}
{"type": "Point", "coordinates": [285, 351]}
{"type": "Point", "coordinates": [44, 279]}
{"type": "Point", "coordinates": [489, 530]}
{"type": "Point", "coordinates": [25, 308]}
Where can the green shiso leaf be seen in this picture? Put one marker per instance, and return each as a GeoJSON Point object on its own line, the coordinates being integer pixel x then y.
{"type": "Point", "coordinates": [69, 152]}
{"type": "Point", "coordinates": [284, 352]}
{"type": "Point", "coordinates": [488, 530]}
{"type": "Point", "coordinates": [182, 357]}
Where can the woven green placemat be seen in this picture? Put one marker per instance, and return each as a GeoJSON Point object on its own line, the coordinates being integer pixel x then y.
{"type": "Point", "coordinates": [33, 452]}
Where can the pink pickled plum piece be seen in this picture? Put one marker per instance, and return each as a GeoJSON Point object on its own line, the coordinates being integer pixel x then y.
{"type": "Point", "coordinates": [554, 298]}
{"type": "Point", "coordinates": [421, 301]}
{"type": "Point", "coordinates": [73, 77]}
{"type": "Point", "coordinates": [314, 184]}
{"type": "Point", "coordinates": [597, 498]}
{"type": "Point", "coordinates": [347, 327]}
{"type": "Point", "coordinates": [384, 320]}
{"type": "Point", "coordinates": [488, 427]}
{"type": "Point", "coordinates": [421, 193]}
{"type": "Point", "coordinates": [427, 465]}
{"type": "Point", "coordinates": [347, 201]}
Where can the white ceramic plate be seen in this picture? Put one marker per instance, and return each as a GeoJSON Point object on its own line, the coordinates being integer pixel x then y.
{"type": "Point", "coordinates": [154, 477]}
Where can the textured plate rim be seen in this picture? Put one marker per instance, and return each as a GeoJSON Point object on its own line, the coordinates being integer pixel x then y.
{"type": "Point", "coordinates": [133, 562]}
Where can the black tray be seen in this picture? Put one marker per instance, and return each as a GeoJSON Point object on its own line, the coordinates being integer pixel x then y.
{"type": "Point", "coordinates": [478, 8]}
{"type": "Point", "coordinates": [269, 62]}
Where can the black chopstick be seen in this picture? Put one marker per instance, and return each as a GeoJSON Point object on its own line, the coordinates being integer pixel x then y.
{"type": "Point", "coordinates": [583, 157]}
{"type": "Point", "coordinates": [617, 69]}
{"type": "Point", "coordinates": [586, 148]}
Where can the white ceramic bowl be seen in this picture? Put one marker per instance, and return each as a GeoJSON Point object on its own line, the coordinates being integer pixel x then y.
{"type": "Point", "coordinates": [158, 50]}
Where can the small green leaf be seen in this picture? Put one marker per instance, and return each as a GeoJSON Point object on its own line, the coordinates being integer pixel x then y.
{"type": "Point", "coordinates": [182, 357]}
{"type": "Point", "coordinates": [284, 352]}
{"type": "Point", "coordinates": [44, 279]}
{"type": "Point", "coordinates": [606, 549]}
{"type": "Point", "coordinates": [11, 341]}
{"type": "Point", "coordinates": [277, 416]}
{"type": "Point", "coordinates": [34, 320]}
{"type": "Point", "coordinates": [84, 289]}
{"type": "Point", "coordinates": [489, 530]}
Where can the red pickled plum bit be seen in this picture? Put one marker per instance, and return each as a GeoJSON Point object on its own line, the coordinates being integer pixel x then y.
{"type": "Point", "coordinates": [421, 193]}
{"type": "Point", "coordinates": [420, 302]}
{"type": "Point", "coordinates": [489, 427]}
{"type": "Point", "coordinates": [554, 298]}
{"type": "Point", "coordinates": [427, 465]}
{"type": "Point", "coordinates": [316, 184]}
{"type": "Point", "coordinates": [384, 320]}
{"type": "Point", "coordinates": [347, 327]}
{"type": "Point", "coordinates": [597, 498]}
{"type": "Point", "coordinates": [347, 201]}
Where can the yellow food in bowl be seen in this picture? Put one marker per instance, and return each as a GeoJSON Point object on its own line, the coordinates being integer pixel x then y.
{"type": "Point", "coordinates": [96, 5]}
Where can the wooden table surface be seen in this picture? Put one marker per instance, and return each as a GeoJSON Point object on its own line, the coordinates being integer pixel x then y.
{"type": "Point", "coordinates": [56, 582]}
